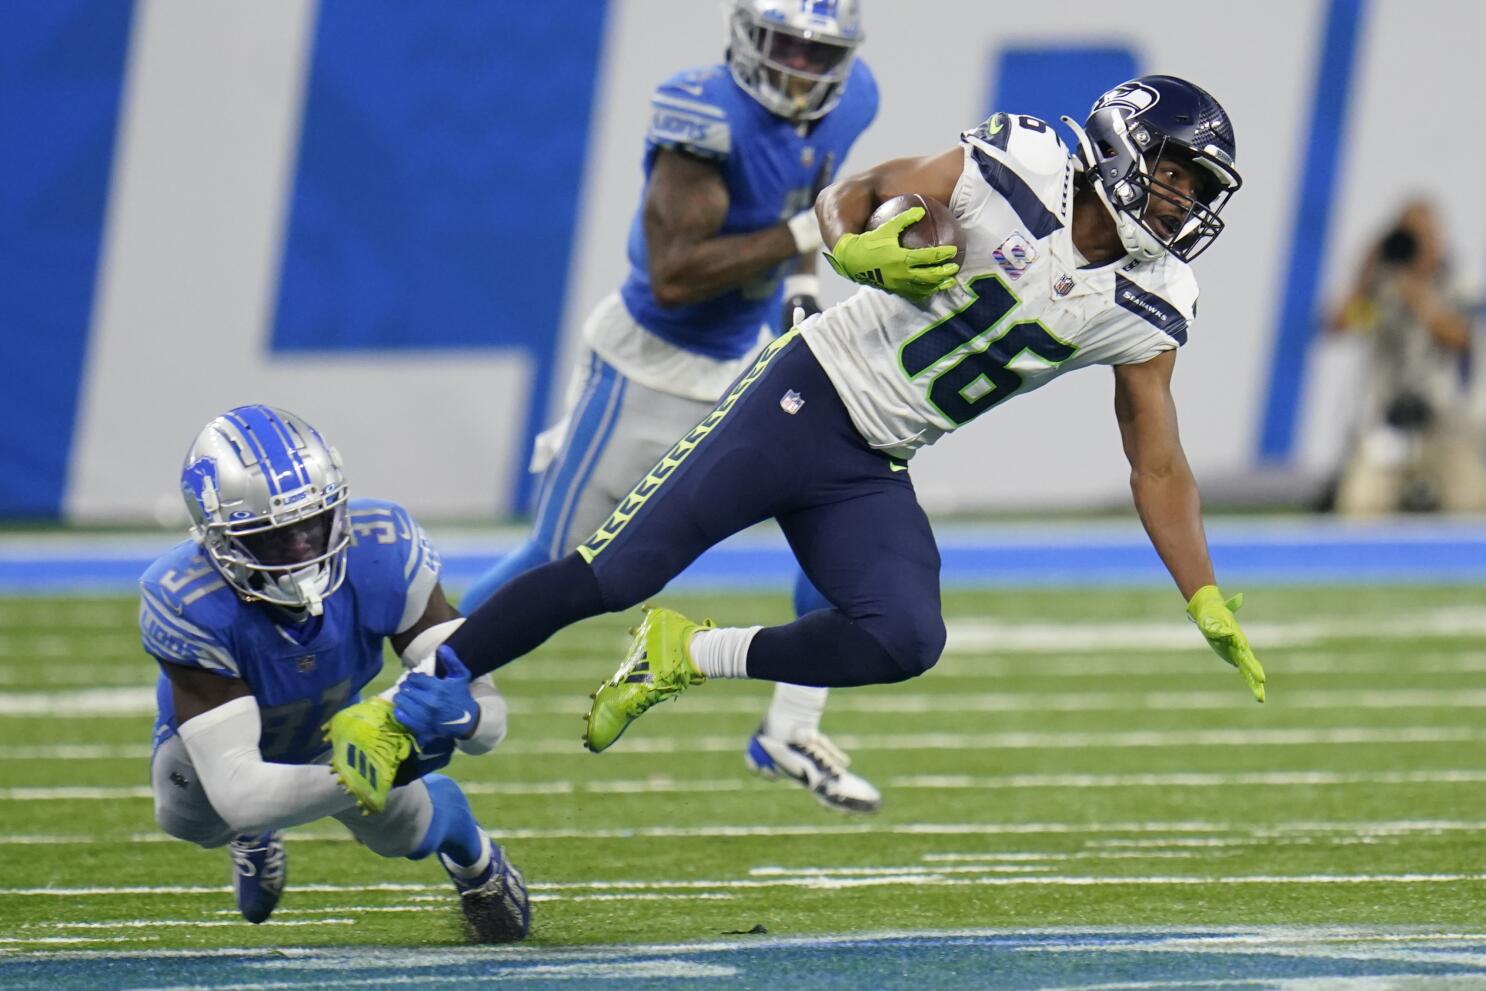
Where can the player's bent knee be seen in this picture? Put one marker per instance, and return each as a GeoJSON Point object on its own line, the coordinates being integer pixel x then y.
{"type": "Point", "coordinates": [920, 645]}
{"type": "Point", "coordinates": [399, 829]}
{"type": "Point", "coordinates": [391, 843]}
{"type": "Point", "coordinates": [203, 831]}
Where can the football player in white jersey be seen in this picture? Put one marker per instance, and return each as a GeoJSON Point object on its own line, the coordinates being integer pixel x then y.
{"type": "Point", "coordinates": [1071, 260]}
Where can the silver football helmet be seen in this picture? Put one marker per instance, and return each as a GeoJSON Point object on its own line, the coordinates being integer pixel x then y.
{"type": "Point", "coordinates": [268, 505]}
{"type": "Point", "coordinates": [793, 56]}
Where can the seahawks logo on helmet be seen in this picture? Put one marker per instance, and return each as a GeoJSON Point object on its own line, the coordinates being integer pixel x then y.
{"type": "Point", "coordinates": [1135, 97]}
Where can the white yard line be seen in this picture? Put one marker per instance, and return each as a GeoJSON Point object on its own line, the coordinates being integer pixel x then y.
{"type": "Point", "coordinates": [76, 751]}
{"type": "Point", "coordinates": [1111, 740]}
{"type": "Point", "coordinates": [84, 702]}
{"type": "Point", "coordinates": [135, 702]}
{"type": "Point", "coordinates": [185, 923]}
{"type": "Point", "coordinates": [912, 869]}
{"type": "Point", "coordinates": [923, 782]}
{"type": "Point", "coordinates": [808, 878]}
{"type": "Point", "coordinates": [1348, 829]}
{"type": "Point", "coordinates": [608, 972]}
{"type": "Point", "coordinates": [992, 635]}
{"type": "Point", "coordinates": [63, 940]}
{"type": "Point", "coordinates": [1180, 779]}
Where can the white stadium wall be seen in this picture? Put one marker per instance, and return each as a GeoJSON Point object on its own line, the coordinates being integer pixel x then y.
{"type": "Point", "coordinates": [192, 250]}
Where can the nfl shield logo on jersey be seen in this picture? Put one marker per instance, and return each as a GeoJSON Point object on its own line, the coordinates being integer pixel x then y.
{"type": "Point", "coordinates": [305, 664]}
{"type": "Point", "coordinates": [1014, 255]}
{"type": "Point", "coordinates": [791, 402]}
{"type": "Point", "coordinates": [1063, 286]}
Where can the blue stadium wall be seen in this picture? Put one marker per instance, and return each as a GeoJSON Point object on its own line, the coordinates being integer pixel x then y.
{"type": "Point", "coordinates": [439, 191]}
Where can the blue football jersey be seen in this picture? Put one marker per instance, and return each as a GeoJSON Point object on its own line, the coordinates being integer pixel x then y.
{"type": "Point", "coordinates": [772, 172]}
{"type": "Point", "coordinates": [300, 674]}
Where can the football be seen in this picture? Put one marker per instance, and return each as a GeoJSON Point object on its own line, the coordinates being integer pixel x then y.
{"type": "Point", "coordinates": [938, 226]}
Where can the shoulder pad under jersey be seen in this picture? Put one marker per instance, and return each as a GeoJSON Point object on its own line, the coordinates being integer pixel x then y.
{"type": "Point", "coordinates": [392, 565]}
{"type": "Point", "coordinates": [184, 605]}
{"type": "Point", "coordinates": [694, 111]}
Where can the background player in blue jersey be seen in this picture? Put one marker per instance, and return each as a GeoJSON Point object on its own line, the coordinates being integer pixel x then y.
{"type": "Point", "coordinates": [270, 619]}
{"type": "Point", "coordinates": [724, 239]}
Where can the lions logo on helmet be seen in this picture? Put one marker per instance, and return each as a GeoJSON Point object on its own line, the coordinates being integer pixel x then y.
{"type": "Point", "coordinates": [268, 505]}
{"type": "Point", "coordinates": [1134, 126]}
{"type": "Point", "coordinates": [793, 56]}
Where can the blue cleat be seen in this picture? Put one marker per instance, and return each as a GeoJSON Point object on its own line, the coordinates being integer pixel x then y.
{"type": "Point", "coordinates": [495, 904]}
{"type": "Point", "coordinates": [258, 873]}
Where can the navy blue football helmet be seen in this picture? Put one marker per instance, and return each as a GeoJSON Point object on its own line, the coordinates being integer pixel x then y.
{"type": "Point", "coordinates": [1136, 125]}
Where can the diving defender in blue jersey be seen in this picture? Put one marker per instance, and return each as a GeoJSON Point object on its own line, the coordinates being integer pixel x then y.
{"type": "Point", "coordinates": [269, 619]}
{"type": "Point", "coordinates": [724, 239]}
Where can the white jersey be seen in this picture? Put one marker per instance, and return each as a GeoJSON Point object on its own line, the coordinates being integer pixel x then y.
{"type": "Point", "coordinates": [1023, 311]}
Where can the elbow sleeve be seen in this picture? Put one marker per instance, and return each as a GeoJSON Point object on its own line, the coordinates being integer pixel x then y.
{"type": "Point", "coordinates": [250, 794]}
{"type": "Point", "coordinates": [492, 728]}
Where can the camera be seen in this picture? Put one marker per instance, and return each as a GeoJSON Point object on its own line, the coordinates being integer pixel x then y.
{"type": "Point", "coordinates": [1399, 247]}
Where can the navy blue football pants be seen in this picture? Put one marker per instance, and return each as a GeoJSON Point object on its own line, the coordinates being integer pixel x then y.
{"type": "Point", "coordinates": [780, 444]}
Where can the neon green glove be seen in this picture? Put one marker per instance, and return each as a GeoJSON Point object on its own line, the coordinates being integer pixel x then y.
{"type": "Point", "coordinates": [875, 258]}
{"type": "Point", "coordinates": [1214, 618]}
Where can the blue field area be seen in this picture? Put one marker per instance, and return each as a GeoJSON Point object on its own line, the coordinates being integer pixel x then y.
{"type": "Point", "coordinates": [1285, 550]}
{"type": "Point", "coordinates": [1290, 959]}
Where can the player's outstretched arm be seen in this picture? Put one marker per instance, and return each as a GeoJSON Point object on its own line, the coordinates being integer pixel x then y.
{"type": "Point", "coordinates": [220, 725]}
{"type": "Point", "coordinates": [875, 257]}
{"type": "Point", "coordinates": [1166, 499]}
{"type": "Point", "coordinates": [686, 202]}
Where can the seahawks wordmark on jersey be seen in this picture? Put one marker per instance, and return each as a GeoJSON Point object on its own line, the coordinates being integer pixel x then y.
{"type": "Point", "coordinates": [1023, 311]}
{"type": "Point", "coordinates": [300, 674]}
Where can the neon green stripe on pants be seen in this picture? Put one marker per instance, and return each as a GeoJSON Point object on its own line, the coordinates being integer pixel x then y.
{"type": "Point", "coordinates": [656, 477]}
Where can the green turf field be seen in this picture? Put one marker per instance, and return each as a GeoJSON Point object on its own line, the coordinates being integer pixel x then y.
{"type": "Point", "coordinates": [1077, 758]}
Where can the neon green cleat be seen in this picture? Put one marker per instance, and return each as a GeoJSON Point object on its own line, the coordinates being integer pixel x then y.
{"type": "Point", "coordinates": [367, 746]}
{"type": "Point", "coordinates": [658, 667]}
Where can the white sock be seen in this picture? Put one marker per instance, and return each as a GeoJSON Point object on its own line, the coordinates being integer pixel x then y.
{"type": "Point", "coordinates": [795, 711]}
{"type": "Point", "coordinates": [723, 653]}
{"type": "Point", "coordinates": [473, 870]}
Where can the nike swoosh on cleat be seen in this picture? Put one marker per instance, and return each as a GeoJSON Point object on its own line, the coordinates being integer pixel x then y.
{"type": "Point", "coordinates": [457, 722]}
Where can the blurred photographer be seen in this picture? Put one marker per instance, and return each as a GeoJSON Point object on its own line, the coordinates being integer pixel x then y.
{"type": "Point", "coordinates": [1417, 446]}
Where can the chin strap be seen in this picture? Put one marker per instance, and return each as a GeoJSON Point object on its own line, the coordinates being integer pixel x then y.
{"type": "Point", "coordinates": [304, 584]}
{"type": "Point", "coordinates": [1135, 239]}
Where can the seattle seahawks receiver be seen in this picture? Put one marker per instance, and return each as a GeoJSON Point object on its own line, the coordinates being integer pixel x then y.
{"type": "Point", "coordinates": [734, 157]}
{"type": "Point", "coordinates": [269, 619]}
{"type": "Point", "coordinates": [1071, 260]}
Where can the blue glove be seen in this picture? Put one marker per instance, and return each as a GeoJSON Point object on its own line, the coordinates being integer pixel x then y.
{"type": "Point", "coordinates": [435, 708]}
